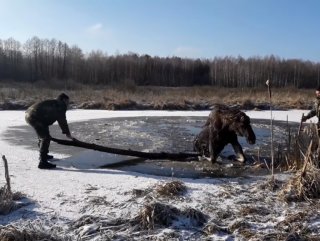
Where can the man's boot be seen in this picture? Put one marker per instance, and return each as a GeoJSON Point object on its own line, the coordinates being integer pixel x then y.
{"type": "Point", "coordinates": [49, 157]}
{"type": "Point", "coordinates": [46, 165]}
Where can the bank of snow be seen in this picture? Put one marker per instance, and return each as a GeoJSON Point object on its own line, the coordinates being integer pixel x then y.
{"type": "Point", "coordinates": [62, 196]}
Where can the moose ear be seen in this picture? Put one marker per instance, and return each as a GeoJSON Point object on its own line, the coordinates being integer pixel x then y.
{"type": "Point", "coordinates": [244, 118]}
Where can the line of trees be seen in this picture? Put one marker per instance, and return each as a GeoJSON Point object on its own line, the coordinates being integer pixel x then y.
{"type": "Point", "coordinates": [47, 60]}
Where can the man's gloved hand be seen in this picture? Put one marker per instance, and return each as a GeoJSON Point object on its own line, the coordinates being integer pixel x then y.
{"type": "Point", "coordinates": [69, 136]}
{"type": "Point", "coordinates": [304, 118]}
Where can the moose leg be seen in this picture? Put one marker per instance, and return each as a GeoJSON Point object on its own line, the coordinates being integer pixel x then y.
{"type": "Point", "coordinates": [238, 150]}
{"type": "Point", "coordinates": [212, 158]}
{"type": "Point", "coordinates": [214, 145]}
{"type": "Point", "coordinates": [214, 153]}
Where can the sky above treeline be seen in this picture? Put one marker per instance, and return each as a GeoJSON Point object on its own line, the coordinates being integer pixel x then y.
{"type": "Point", "coordinates": [165, 28]}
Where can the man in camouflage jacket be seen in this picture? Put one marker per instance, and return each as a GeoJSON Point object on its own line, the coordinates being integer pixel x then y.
{"type": "Point", "coordinates": [43, 114]}
{"type": "Point", "coordinates": [315, 111]}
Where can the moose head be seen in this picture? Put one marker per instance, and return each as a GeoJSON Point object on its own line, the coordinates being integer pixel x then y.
{"type": "Point", "coordinates": [241, 125]}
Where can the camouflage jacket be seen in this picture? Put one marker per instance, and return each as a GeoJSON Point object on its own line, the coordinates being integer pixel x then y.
{"type": "Point", "coordinates": [315, 111]}
{"type": "Point", "coordinates": [47, 112]}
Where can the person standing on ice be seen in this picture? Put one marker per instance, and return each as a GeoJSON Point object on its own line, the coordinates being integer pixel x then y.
{"type": "Point", "coordinates": [315, 111]}
{"type": "Point", "coordinates": [43, 114]}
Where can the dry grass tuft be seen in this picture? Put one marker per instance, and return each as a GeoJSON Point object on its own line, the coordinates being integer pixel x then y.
{"type": "Point", "coordinates": [98, 201]}
{"type": "Point", "coordinates": [156, 214]}
{"type": "Point", "coordinates": [254, 210]}
{"type": "Point", "coordinates": [92, 105]}
{"type": "Point", "coordinates": [212, 228]}
{"type": "Point", "coordinates": [84, 220]}
{"type": "Point", "coordinates": [291, 236]}
{"type": "Point", "coordinates": [308, 134]}
{"type": "Point", "coordinates": [272, 236]}
{"type": "Point", "coordinates": [247, 233]}
{"type": "Point", "coordinates": [125, 104]}
{"type": "Point", "coordinates": [7, 200]}
{"type": "Point", "coordinates": [137, 193]}
{"type": "Point", "coordinates": [17, 196]}
{"type": "Point", "coordinates": [7, 197]}
{"type": "Point", "coordinates": [30, 233]}
{"type": "Point", "coordinates": [292, 222]}
{"type": "Point", "coordinates": [299, 145]}
{"type": "Point", "coordinates": [271, 184]}
{"type": "Point", "coordinates": [196, 217]}
{"type": "Point", "coordinates": [305, 185]}
{"type": "Point", "coordinates": [239, 225]}
{"type": "Point", "coordinates": [170, 189]}
{"type": "Point", "coordinates": [224, 214]}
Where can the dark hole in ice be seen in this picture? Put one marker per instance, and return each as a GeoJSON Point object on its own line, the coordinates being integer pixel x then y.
{"type": "Point", "coordinates": [152, 134]}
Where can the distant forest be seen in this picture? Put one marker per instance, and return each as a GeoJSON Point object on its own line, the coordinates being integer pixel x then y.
{"type": "Point", "coordinates": [53, 60]}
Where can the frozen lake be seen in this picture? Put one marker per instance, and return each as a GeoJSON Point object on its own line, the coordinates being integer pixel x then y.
{"type": "Point", "coordinates": [151, 134]}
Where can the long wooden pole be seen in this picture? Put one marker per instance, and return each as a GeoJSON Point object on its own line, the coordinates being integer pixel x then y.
{"type": "Point", "coordinates": [181, 156]}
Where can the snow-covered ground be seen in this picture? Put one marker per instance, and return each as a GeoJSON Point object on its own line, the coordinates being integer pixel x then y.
{"type": "Point", "coordinates": [61, 196]}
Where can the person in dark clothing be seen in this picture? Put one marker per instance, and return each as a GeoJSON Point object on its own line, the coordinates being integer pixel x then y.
{"type": "Point", "coordinates": [43, 114]}
{"type": "Point", "coordinates": [315, 111]}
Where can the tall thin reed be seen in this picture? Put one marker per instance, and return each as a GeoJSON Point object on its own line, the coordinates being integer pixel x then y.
{"type": "Point", "coordinates": [271, 128]}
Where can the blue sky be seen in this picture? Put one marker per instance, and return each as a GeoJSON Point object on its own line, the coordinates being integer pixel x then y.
{"type": "Point", "coordinates": [185, 28]}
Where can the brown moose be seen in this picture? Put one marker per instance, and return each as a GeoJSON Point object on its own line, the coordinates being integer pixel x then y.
{"type": "Point", "coordinates": [222, 127]}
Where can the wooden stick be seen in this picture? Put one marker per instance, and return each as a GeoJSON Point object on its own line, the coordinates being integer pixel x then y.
{"type": "Point", "coordinates": [148, 155]}
{"type": "Point", "coordinates": [6, 169]}
{"type": "Point", "coordinates": [271, 128]}
{"type": "Point", "coordinates": [306, 159]}
{"type": "Point", "coordinates": [300, 125]}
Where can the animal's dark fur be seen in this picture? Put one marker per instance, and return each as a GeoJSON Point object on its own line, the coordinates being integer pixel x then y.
{"type": "Point", "coordinates": [222, 128]}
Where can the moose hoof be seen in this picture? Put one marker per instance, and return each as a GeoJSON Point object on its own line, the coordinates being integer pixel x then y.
{"type": "Point", "coordinates": [241, 159]}
{"type": "Point", "coordinates": [204, 158]}
{"type": "Point", "coordinates": [237, 158]}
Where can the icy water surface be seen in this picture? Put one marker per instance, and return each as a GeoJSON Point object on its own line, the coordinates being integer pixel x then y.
{"type": "Point", "coordinates": [152, 134]}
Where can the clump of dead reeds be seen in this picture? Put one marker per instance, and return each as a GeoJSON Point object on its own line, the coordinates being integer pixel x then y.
{"type": "Point", "coordinates": [156, 214]}
{"type": "Point", "coordinates": [254, 210]}
{"type": "Point", "coordinates": [92, 105]}
{"type": "Point", "coordinates": [295, 221]}
{"type": "Point", "coordinates": [213, 228]}
{"type": "Point", "coordinates": [29, 233]}
{"type": "Point", "coordinates": [7, 197]}
{"type": "Point", "coordinates": [299, 145]}
{"type": "Point", "coordinates": [239, 225]}
{"type": "Point", "coordinates": [139, 192]}
{"type": "Point", "coordinates": [305, 185]}
{"type": "Point", "coordinates": [291, 236]}
{"type": "Point", "coordinates": [271, 184]}
{"type": "Point", "coordinates": [6, 201]}
{"type": "Point", "coordinates": [290, 155]}
{"type": "Point", "coordinates": [84, 220]}
{"type": "Point", "coordinates": [170, 189]}
{"type": "Point", "coordinates": [196, 217]}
